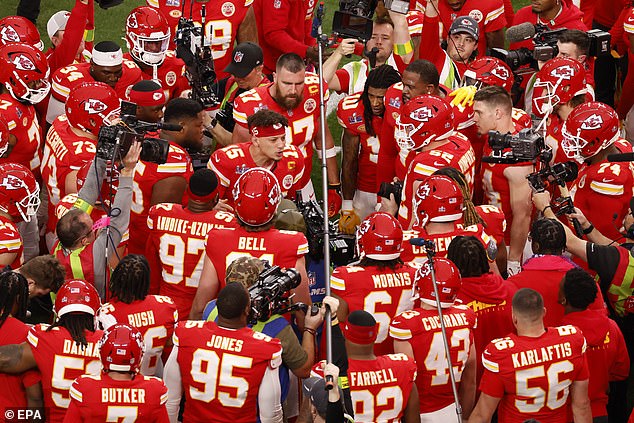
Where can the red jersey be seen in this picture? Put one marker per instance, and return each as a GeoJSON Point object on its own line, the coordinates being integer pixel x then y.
{"type": "Point", "coordinates": [11, 241]}
{"type": "Point", "coordinates": [494, 221]}
{"type": "Point", "coordinates": [230, 162]}
{"type": "Point", "coordinates": [103, 399]}
{"type": "Point", "coordinates": [222, 369]}
{"type": "Point", "coordinates": [488, 13]}
{"type": "Point", "coordinates": [380, 388]}
{"type": "Point", "coordinates": [24, 126]}
{"type": "Point", "coordinates": [569, 17]}
{"type": "Point", "coordinates": [64, 152]}
{"type": "Point", "coordinates": [175, 250]}
{"type": "Point", "coordinates": [61, 361]}
{"type": "Point", "coordinates": [456, 152]}
{"type": "Point", "coordinates": [154, 316]}
{"type": "Point", "coordinates": [222, 22]}
{"type": "Point", "coordinates": [414, 253]}
{"type": "Point", "coordinates": [170, 74]}
{"type": "Point", "coordinates": [382, 292]}
{"type": "Point", "coordinates": [532, 375]}
{"type": "Point", "coordinates": [303, 121]}
{"type": "Point", "coordinates": [279, 248]}
{"type": "Point", "coordinates": [12, 387]}
{"type": "Point", "coordinates": [421, 328]}
{"type": "Point", "coordinates": [68, 77]}
{"type": "Point", "coordinates": [609, 184]}
{"type": "Point", "coordinates": [146, 175]}
{"type": "Point", "coordinates": [350, 114]}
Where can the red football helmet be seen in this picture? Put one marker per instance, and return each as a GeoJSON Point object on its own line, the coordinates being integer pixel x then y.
{"type": "Point", "coordinates": [590, 128]}
{"type": "Point", "coordinates": [4, 136]}
{"type": "Point", "coordinates": [18, 29]}
{"type": "Point", "coordinates": [147, 34]}
{"type": "Point", "coordinates": [487, 70]}
{"type": "Point", "coordinates": [256, 196]}
{"type": "Point", "coordinates": [19, 191]}
{"type": "Point", "coordinates": [448, 283]}
{"type": "Point", "coordinates": [90, 105]}
{"type": "Point", "coordinates": [24, 72]}
{"type": "Point", "coordinates": [380, 236]}
{"type": "Point", "coordinates": [121, 348]}
{"type": "Point", "coordinates": [423, 119]}
{"type": "Point", "coordinates": [558, 81]}
{"type": "Point", "coordinates": [437, 199]}
{"type": "Point", "coordinates": [77, 295]}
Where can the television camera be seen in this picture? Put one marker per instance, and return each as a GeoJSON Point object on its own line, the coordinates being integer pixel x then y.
{"type": "Point", "coordinates": [268, 294]}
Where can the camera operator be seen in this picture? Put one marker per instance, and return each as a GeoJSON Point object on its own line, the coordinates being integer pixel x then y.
{"type": "Point", "coordinates": [81, 241]}
{"type": "Point", "coordinates": [245, 72]}
{"type": "Point", "coordinates": [505, 185]}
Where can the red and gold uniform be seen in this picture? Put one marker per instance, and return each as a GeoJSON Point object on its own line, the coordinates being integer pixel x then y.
{"type": "Point", "coordinates": [170, 74]}
{"type": "Point", "coordinates": [494, 221]}
{"type": "Point", "coordinates": [414, 253]}
{"type": "Point", "coordinates": [532, 375]}
{"type": "Point", "coordinates": [154, 316]}
{"type": "Point", "coordinates": [382, 292]}
{"type": "Point", "coordinates": [380, 388]}
{"type": "Point", "coordinates": [24, 126]}
{"type": "Point", "coordinates": [61, 361]}
{"type": "Point", "coordinates": [201, 358]}
{"type": "Point", "coordinates": [102, 399]}
{"type": "Point", "coordinates": [421, 328]}
{"type": "Point", "coordinates": [279, 248]}
{"type": "Point", "coordinates": [230, 162]}
{"type": "Point", "coordinates": [175, 250]}
{"type": "Point", "coordinates": [11, 241]}
{"type": "Point", "coordinates": [455, 152]}
{"type": "Point", "coordinates": [222, 22]}
{"type": "Point", "coordinates": [146, 175]}
{"type": "Point", "coordinates": [64, 152]}
{"type": "Point", "coordinates": [350, 116]}
{"type": "Point", "coordinates": [68, 77]}
{"type": "Point", "coordinates": [303, 121]}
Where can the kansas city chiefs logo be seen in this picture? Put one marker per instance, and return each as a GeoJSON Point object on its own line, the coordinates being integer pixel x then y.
{"type": "Point", "coordinates": [500, 72]}
{"type": "Point", "coordinates": [423, 191]}
{"type": "Point", "coordinates": [422, 114]}
{"type": "Point", "coordinates": [11, 182]}
{"type": "Point", "coordinates": [132, 22]}
{"type": "Point", "coordinates": [465, 22]}
{"type": "Point", "coordinates": [93, 106]}
{"type": "Point", "coordinates": [238, 57]}
{"type": "Point", "coordinates": [364, 227]}
{"type": "Point", "coordinates": [23, 62]}
{"type": "Point", "coordinates": [592, 122]}
{"type": "Point", "coordinates": [9, 34]}
{"type": "Point", "coordinates": [563, 72]}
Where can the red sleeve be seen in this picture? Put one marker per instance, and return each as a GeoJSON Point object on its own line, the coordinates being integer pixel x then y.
{"type": "Point", "coordinates": [152, 255]}
{"type": "Point", "coordinates": [275, 24]}
{"type": "Point", "coordinates": [387, 155]}
{"type": "Point", "coordinates": [344, 80]}
{"type": "Point", "coordinates": [620, 367]}
{"type": "Point", "coordinates": [429, 38]}
{"type": "Point", "coordinates": [65, 53]}
{"type": "Point", "coordinates": [508, 11]}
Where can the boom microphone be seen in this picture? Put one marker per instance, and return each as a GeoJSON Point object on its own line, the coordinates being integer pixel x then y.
{"type": "Point", "coordinates": [621, 157]}
{"type": "Point", "coordinates": [169, 126]}
{"type": "Point", "coordinates": [522, 32]}
{"type": "Point", "coordinates": [422, 242]}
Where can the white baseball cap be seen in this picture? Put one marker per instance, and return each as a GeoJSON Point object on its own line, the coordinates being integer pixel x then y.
{"type": "Point", "coordinates": [57, 22]}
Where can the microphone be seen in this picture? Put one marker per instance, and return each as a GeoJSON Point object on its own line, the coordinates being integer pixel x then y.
{"type": "Point", "coordinates": [522, 32]}
{"type": "Point", "coordinates": [621, 157]}
{"type": "Point", "coordinates": [614, 217]}
{"type": "Point", "coordinates": [422, 242]}
{"type": "Point", "coordinates": [169, 126]}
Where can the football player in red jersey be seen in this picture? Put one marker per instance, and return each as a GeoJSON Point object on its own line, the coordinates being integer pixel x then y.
{"type": "Point", "coordinates": [119, 391]}
{"type": "Point", "coordinates": [535, 373]}
{"type": "Point", "coordinates": [72, 139]}
{"type": "Point", "coordinates": [166, 183]}
{"type": "Point", "coordinates": [361, 116]}
{"type": "Point", "coordinates": [417, 333]}
{"type": "Point", "coordinates": [256, 196]}
{"type": "Point", "coordinates": [505, 185]}
{"type": "Point", "coordinates": [380, 283]}
{"type": "Point", "coordinates": [225, 23]}
{"type": "Point", "coordinates": [147, 34]}
{"type": "Point", "coordinates": [224, 369]}
{"type": "Point", "coordinates": [381, 386]}
{"type": "Point", "coordinates": [24, 82]}
{"type": "Point", "coordinates": [176, 244]}
{"type": "Point", "coordinates": [590, 134]}
{"type": "Point", "coordinates": [268, 149]}
{"type": "Point", "coordinates": [294, 93]}
{"type": "Point", "coordinates": [19, 201]}
{"type": "Point", "coordinates": [62, 351]}
{"type": "Point", "coordinates": [426, 131]}
{"type": "Point", "coordinates": [150, 100]}
{"type": "Point", "coordinates": [67, 31]}
{"type": "Point", "coordinates": [25, 389]}
{"type": "Point", "coordinates": [153, 315]}
{"type": "Point", "coordinates": [106, 65]}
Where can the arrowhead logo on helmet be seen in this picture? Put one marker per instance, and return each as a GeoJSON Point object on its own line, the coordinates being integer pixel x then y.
{"type": "Point", "coordinates": [11, 182]}
{"type": "Point", "coordinates": [22, 62]}
{"type": "Point", "coordinates": [592, 122]}
{"type": "Point", "coordinates": [563, 72]}
{"type": "Point", "coordinates": [422, 114]}
{"type": "Point", "coordinates": [9, 34]}
{"type": "Point", "coordinates": [500, 72]}
{"type": "Point", "coordinates": [132, 22]}
{"type": "Point", "coordinates": [94, 106]}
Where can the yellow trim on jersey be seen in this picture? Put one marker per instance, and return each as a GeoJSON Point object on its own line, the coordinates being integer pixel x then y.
{"type": "Point", "coordinates": [33, 339]}
{"type": "Point", "coordinates": [336, 283]}
{"type": "Point", "coordinates": [224, 181]}
{"type": "Point", "coordinates": [628, 27]}
{"type": "Point", "coordinates": [153, 3]}
{"type": "Point", "coordinates": [424, 169]}
{"type": "Point", "coordinates": [494, 14]}
{"type": "Point", "coordinates": [403, 334]}
{"type": "Point", "coordinates": [490, 365]}
{"type": "Point", "coordinates": [11, 125]}
{"type": "Point", "coordinates": [164, 398]}
{"type": "Point", "coordinates": [239, 116]}
{"type": "Point", "coordinates": [14, 244]}
{"type": "Point", "coordinates": [75, 394]}
{"type": "Point", "coordinates": [302, 249]}
{"type": "Point", "coordinates": [60, 89]}
{"type": "Point", "coordinates": [607, 189]}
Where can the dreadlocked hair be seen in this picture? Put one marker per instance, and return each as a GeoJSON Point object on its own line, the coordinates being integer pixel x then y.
{"type": "Point", "coordinates": [381, 77]}
{"type": "Point", "coordinates": [76, 323]}
{"type": "Point", "coordinates": [14, 290]}
{"type": "Point", "coordinates": [130, 280]}
{"type": "Point", "coordinates": [470, 215]}
{"type": "Point", "coordinates": [381, 264]}
{"type": "Point", "coordinates": [469, 255]}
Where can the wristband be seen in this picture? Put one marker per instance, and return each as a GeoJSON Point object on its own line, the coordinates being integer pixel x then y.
{"type": "Point", "coordinates": [346, 205]}
{"type": "Point", "coordinates": [403, 49]}
{"type": "Point", "coordinates": [588, 229]}
{"type": "Point", "coordinates": [331, 152]}
{"type": "Point", "coordinates": [83, 205]}
{"type": "Point", "coordinates": [311, 331]}
{"type": "Point", "coordinates": [547, 207]}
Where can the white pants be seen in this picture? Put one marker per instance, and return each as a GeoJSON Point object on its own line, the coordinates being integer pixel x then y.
{"type": "Point", "coordinates": [444, 415]}
{"type": "Point", "coordinates": [364, 203]}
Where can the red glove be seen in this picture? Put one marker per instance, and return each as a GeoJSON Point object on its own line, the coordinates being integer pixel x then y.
{"type": "Point", "coordinates": [334, 199]}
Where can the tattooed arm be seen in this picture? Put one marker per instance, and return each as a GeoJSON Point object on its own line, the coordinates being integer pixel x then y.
{"type": "Point", "coordinates": [16, 358]}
